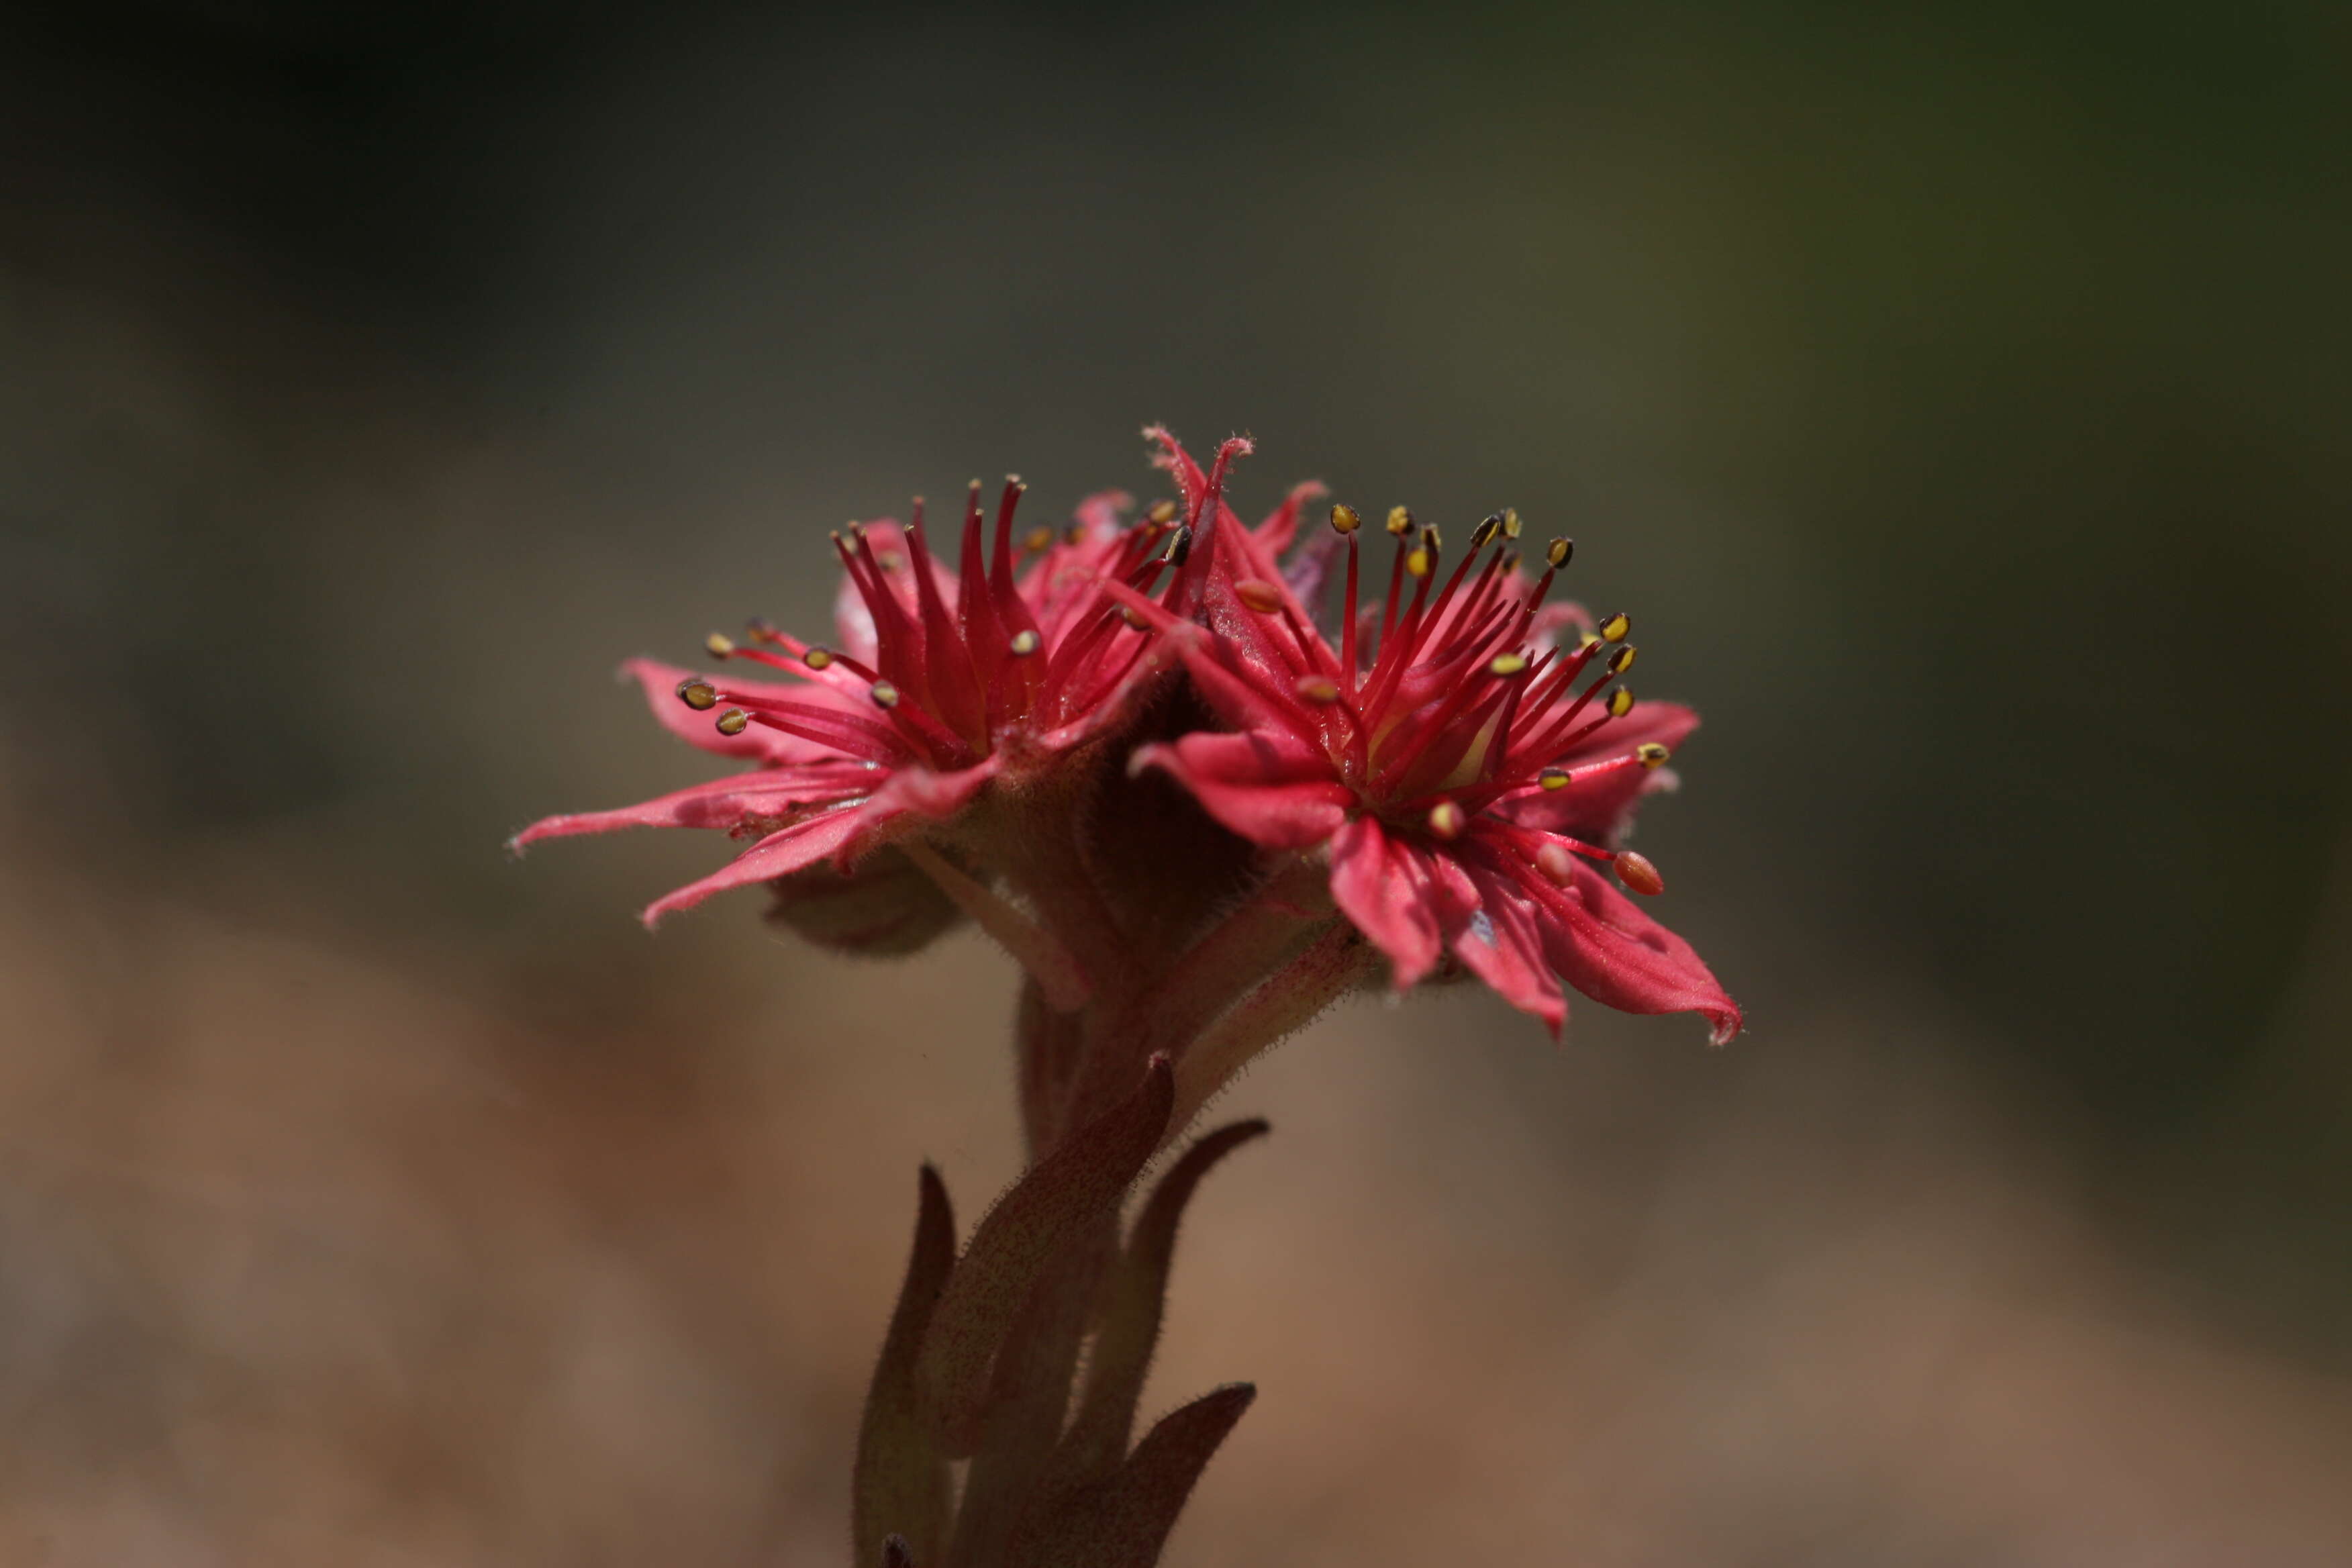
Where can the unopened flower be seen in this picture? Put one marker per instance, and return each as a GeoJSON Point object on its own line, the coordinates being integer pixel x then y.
{"type": "Point", "coordinates": [938, 683]}
{"type": "Point", "coordinates": [1467, 771]}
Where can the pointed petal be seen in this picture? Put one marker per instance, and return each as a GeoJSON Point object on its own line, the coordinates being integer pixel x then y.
{"type": "Point", "coordinates": [729, 803]}
{"type": "Point", "coordinates": [1281, 526]}
{"type": "Point", "coordinates": [1598, 807]}
{"type": "Point", "coordinates": [778, 855]}
{"type": "Point", "coordinates": [1264, 786]}
{"type": "Point", "coordinates": [1498, 940]}
{"type": "Point", "coordinates": [700, 727]}
{"type": "Point", "coordinates": [1124, 1522]}
{"type": "Point", "coordinates": [1377, 888]}
{"type": "Point", "coordinates": [1608, 949]}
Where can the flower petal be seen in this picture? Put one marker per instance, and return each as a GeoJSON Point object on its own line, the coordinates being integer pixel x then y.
{"type": "Point", "coordinates": [729, 803]}
{"type": "Point", "coordinates": [1498, 936]}
{"type": "Point", "coordinates": [919, 794]}
{"type": "Point", "coordinates": [1606, 948]}
{"type": "Point", "coordinates": [778, 855]}
{"type": "Point", "coordinates": [1377, 889]}
{"type": "Point", "coordinates": [699, 727]}
{"type": "Point", "coordinates": [1267, 788]}
{"type": "Point", "coordinates": [1598, 806]}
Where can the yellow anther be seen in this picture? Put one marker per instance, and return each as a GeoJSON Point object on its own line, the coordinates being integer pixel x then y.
{"type": "Point", "coordinates": [1622, 659]}
{"type": "Point", "coordinates": [1133, 618]}
{"type": "Point", "coordinates": [885, 695]}
{"type": "Point", "coordinates": [732, 721]}
{"type": "Point", "coordinates": [1488, 526]}
{"type": "Point", "coordinates": [1037, 539]}
{"type": "Point", "coordinates": [1074, 534]}
{"type": "Point", "coordinates": [1417, 562]}
{"type": "Point", "coordinates": [1446, 820]}
{"type": "Point", "coordinates": [1553, 778]}
{"type": "Point", "coordinates": [1651, 754]}
{"type": "Point", "coordinates": [1024, 643]}
{"type": "Point", "coordinates": [1558, 551]}
{"type": "Point", "coordinates": [761, 631]}
{"type": "Point", "coordinates": [1319, 689]}
{"type": "Point", "coordinates": [1614, 628]}
{"type": "Point", "coordinates": [1399, 521]}
{"type": "Point", "coordinates": [818, 659]}
{"type": "Point", "coordinates": [1344, 519]}
{"type": "Point", "coordinates": [1620, 702]}
{"type": "Point", "coordinates": [1506, 665]}
{"type": "Point", "coordinates": [719, 644]}
{"type": "Point", "coordinates": [1431, 539]}
{"type": "Point", "coordinates": [1587, 640]}
{"type": "Point", "coordinates": [1163, 512]}
{"type": "Point", "coordinates": [1179, 545]}
{"type": "Point", "coordinates": [1510, 523]}
{"type": "Point", "coordinates": [697, 693]}
{"type": "Point", "coordinates": [1556, 863]}
{"type": "Point", "coordinates": [1258, 594]}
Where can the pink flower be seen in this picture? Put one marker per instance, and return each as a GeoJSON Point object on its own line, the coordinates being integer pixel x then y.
{"type": "Point", "coordinates": [1467, 790]}
{"type": "Point", "coordinates": [939, 684]}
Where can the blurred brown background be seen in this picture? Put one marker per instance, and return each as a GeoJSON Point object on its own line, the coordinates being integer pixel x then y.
{"type": "Point", "coordinates": [1958, 398]}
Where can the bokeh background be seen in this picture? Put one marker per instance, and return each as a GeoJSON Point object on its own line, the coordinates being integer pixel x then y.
{"type": "Point", "coordinates": [1958, 396]}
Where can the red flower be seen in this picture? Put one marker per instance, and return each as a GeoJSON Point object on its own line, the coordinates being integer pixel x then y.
{"type": "Point", "coordinates": [939, 683]}
{"type": "Point", "coordinates": [1468, 790]}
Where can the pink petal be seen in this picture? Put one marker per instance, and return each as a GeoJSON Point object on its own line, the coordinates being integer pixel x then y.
{"type": "Point", "coordinates": [1499, 939]}
{"type": "Point", "coordinates": [729, 804]}
{"type": "Point", "coordinates": [1274, 534]}
{"type": "Point", "coordinates": [1270, 791]}
{"type": "Point", "coordinates": [917, 793]}
{"type": "Point", "coordinates": [699, 728]}
{"type": "Point", "coordinates": [1377, 890]}
{"type": "Point", "coordinates": [1605, 947]}
{"type": "Point", "coordinates": [778, 855]}
{"type": "Point", "coordinates": [1597, 809]}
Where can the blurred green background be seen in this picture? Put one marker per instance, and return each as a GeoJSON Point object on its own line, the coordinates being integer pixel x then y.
{"type": "Point", "coordinates": [1957, 397]}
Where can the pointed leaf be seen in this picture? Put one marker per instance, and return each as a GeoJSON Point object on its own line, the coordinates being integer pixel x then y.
{"type": "Point", "coordinates": [901, 1486]}
{"type": "Point", "coordinates": [1134, 1298]}
{"type": "Point", "coordinates": [1029, 1396]}
{"type": "Point", "coordinates": [1124, 1521]}
{"type": "Point", "coordinates": [1046, 1209]}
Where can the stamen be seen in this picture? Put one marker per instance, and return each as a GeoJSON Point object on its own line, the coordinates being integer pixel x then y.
{"type": "Point", "coordinates": [1258, 594]}
{"type": "Point", "coordinates": [697, 693]}
{"type": "Point", "coordinates": [1510, 523]}
{"type": "Point", "coordinates": [1162, 514]}
{"type": "Point", "coordinates": [1418, 562]}
{"type": "Point", "coordinates": [1399, 521]}
{"type": "Point", "coordinates": [1484, 535]}
{"type": "Point", "coordinates": [1620, 702]}
{"type": "Point", "coordinates": [1344, 519]}
{"type": "Point", "coordinates": [1431, 539]}
{"type": "Point", "coordinates": [818, 659]}
{"type": "Point", "coordinates": [719, 644]}
{"type": "Point", "coordinates": [1558, 551]}
{"type": "Point", "coordinates": [1024, 643]}
{"type": "Point", "coordinates": [1319, 689]}
{"type": "Point", "coordinates": [1614, 628]}
{"type": "Point", "coordinates": [1553, 778]}
{"type": "Point", "coordinates": [1446, 820]}
{"type": "Point", "coordinates": [1622, 659]}
{"type": "Point", "coordinates": [1178, 547]}
{"type": "Point", "coordinates": [1638, 874]}
{"type": "Point", "coordinates": [1037, 539]}
{"type": "Point", "coordinates": [733, 721]}
{"type": "Point", "coordinates": [885, 695]}
{"type": "Point", "coordinates": [1133, 618]}
{"type": "Point", "coordinates": [1504, 666]}
{"type": "Point", "coordinates": [1651, 754]}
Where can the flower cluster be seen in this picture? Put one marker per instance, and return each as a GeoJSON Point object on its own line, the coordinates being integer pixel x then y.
{"type": "Point", "coordinates": [1464, 757]}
